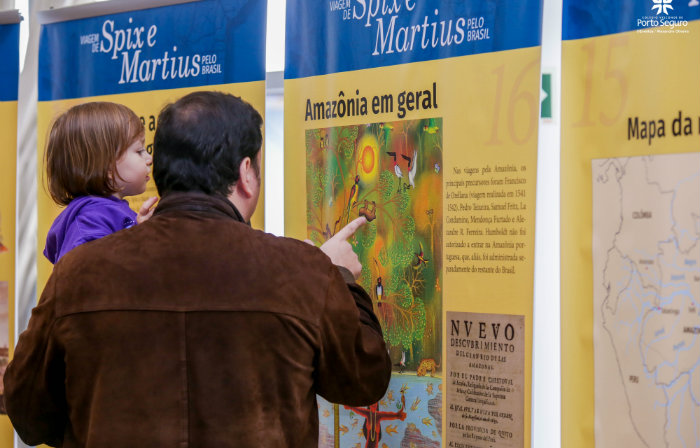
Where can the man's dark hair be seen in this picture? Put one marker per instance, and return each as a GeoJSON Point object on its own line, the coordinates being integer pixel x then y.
{"type": "Point", "coordinates": [201, 140]}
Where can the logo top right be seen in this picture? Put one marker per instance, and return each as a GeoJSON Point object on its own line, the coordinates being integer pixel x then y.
{"type": "Point", "coordinates": [662, 6]}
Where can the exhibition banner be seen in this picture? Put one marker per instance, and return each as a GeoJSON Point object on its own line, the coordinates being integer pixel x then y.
{"type": "Point", "coordinates": [145, 60]}
{"type": "Point", "coordinates": [9, 77]}
{"type": "Point", "coordinates": [421, 116]}
{"type": "Point", "coordinates": [630, 229]}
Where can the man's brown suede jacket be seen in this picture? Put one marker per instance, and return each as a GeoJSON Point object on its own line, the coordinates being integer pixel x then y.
{"type": "Point", "coordinates": [193, 330]}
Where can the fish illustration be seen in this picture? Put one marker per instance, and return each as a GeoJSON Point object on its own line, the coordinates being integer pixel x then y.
{"type": "Point", "coordinates": [383, 403]}
{"type": "Point", "coordinates": [384, 445]}
{"type": "Point", "coordinates": [390, 396]}
{"type": "Point", "coordinates": [415, 404]}
{"type": "Point", "coordinates": [434, 434]}
{"type": "Point", "coordinates": [391, 429]}
{"type": "Point", "coordinates": [326, 413]}
{"type": "Point", "coordinates": [343, 429]}
{"type": "Point", "coordinates": [426, 421]}
{"type": "Point", "coordinates": [429, 388]}
{"type": "Point", "coordinates": [354, 424]}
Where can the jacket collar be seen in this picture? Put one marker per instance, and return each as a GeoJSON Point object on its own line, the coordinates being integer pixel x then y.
{"type": "Point", "coordinates": [200, 204]}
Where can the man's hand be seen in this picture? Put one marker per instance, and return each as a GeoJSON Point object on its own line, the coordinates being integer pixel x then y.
{"type": "Point", "coordinates": [340, 251]}
{"type": "Point", "coordinates": [146, 210]}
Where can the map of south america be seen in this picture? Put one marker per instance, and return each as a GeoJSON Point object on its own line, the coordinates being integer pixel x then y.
{"type": "Point", "coordinates": [646, 271]}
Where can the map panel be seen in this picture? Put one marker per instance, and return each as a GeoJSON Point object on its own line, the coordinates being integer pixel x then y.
{"type": "Point", "coordinates": [646, 258]}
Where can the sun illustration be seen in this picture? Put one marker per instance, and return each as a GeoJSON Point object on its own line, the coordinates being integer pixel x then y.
{"type": "Point", "coordinates": [368, 160]}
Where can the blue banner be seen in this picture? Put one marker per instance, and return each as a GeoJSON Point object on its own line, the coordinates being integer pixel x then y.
{"type": "Point", "coordinates": [590, 18]}
{"type": "Point", "coordinates": [9, 69]}
{"type": "Point", "coordinates": [187, 45]}
{"type": "Point", "coordinates": [360, 34]}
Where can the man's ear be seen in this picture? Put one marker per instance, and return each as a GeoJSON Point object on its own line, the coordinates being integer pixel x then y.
{"type": "Point", "coordinates": [247, 177]}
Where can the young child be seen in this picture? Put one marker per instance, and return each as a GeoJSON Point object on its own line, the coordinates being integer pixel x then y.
{"type": "Point", "coordinates": [95, 156]}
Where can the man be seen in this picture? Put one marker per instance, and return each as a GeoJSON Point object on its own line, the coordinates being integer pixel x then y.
{"type": "Point", "coordinates": [192, 329]}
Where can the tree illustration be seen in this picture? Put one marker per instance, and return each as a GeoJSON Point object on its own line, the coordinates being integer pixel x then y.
{"type": "Point", "coordinates": [404, 220]}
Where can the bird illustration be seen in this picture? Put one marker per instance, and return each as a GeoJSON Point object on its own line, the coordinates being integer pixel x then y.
{"type": "Point", "coordinates": [427, 421]}
{"type": "Point", "coordinates": [397, 168]}
{"type": "Point", "coordinates": [379, 288]}
{"type": "Point", "coordinates": [412, 167]}
{"type": "Point", "coordinates": [354, 193]}
{"type": "Point", "coordinates": [385, 134]}
{"type": "Point", "coordinates": [387, 130]}
{"type": "Point", "coordinates": [402, 365]}
{"type": "Point", "coordinates": [343, 429]}
{"type": "Point", "coordinates": [392, 429]}
{"type": "Point", "coordinates": [431, 127]}
{"type": "Point", "coordinates": [421, 258]}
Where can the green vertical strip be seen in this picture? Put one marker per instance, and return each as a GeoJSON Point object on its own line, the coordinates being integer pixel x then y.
{"type": "Point", "coordinates": [546, 96]}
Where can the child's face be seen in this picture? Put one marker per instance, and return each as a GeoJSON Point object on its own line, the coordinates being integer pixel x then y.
{"type": "Point", "coordinates": [133, 170]}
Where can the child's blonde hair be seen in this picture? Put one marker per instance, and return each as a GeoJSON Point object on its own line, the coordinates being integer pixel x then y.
{"type": "Point", "coordinates": [83, 147]}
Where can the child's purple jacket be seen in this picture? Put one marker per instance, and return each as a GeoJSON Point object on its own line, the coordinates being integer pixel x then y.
{"type": "Point", "coordinates": [87, 218]}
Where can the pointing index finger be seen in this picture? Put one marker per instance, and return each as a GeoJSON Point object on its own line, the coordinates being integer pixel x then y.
{"type": "Point", "coordinates": [350, 229]}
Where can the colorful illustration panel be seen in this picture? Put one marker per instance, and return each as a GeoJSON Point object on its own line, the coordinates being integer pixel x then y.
{"type": "Point", "coordinates": [390, 173]}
